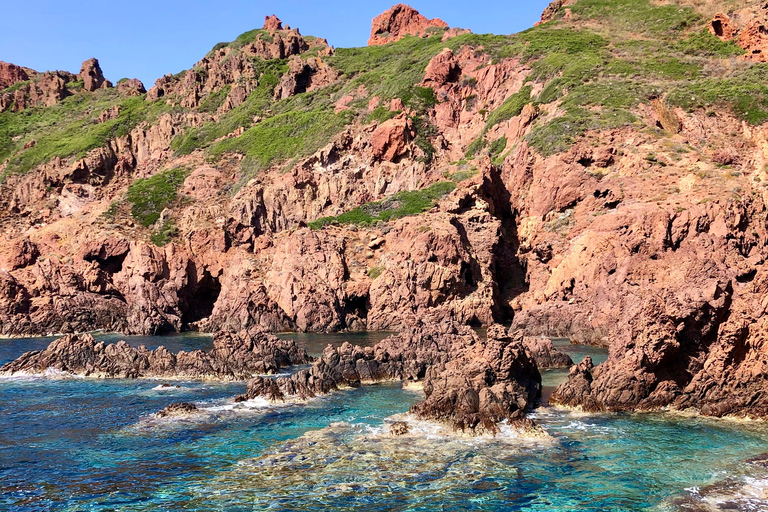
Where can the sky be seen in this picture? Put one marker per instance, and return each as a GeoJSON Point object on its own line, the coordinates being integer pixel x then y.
{"type": "Point", "coordinates": [148, 39]}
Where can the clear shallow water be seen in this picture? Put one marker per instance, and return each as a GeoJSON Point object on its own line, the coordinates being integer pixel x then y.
{"type": "Point", "coordinates": [80, 444]}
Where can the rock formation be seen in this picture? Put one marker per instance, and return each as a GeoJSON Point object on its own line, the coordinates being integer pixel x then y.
{"type": "Point", "coordinates": [234, 356]}
{"type": "Point", "coordinates": [92, 77]}
{"type": "Point", "coordinates": [470, 383]}
{"type": "Point", "coordinates": [11, 74]}
{"type": "Point", "coordinates": [400, 21]}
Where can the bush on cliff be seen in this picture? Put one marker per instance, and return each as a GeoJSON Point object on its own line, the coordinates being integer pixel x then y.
{"type": "Point", "coordinates": [150, 196]}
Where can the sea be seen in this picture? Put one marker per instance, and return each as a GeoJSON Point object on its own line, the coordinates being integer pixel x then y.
{"type": "Point", "coordinates": [79, 444]}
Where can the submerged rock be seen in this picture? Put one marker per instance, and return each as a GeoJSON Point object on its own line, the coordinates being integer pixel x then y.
{"type": "Point", "coordinates": [178, 409]}
{"type": "Point", "coordinates": [399, 428]}
{"type": "Point", "coordinates": [234, 356]}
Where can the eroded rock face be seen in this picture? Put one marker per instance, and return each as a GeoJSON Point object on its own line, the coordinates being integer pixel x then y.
{"type": "Point", "coordinates": [234, 356]}
{"type": "Point", "coordinates": [484, 384]}
{"type": "Point", "coordinates": [11, 74]}
{"type": "Point", "coordinates": [399, 21]}
{"type": "Point", "coordinates": [722, 27]}
{"type": "Point", "coordinates": [470, 383]}
{"type": "Point", "coordinates": [754, 40]}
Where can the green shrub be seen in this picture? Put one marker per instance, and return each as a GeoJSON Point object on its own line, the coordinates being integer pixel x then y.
{"type": "Point", "coordinates": [291, 135]}
{"type": "Point", "coordinates": [150, 196]}
{"type": "Point", "coordinates": [375, 272]}
{"type": "Point", "coordinates": [402, 204]}
{"type": "Point", "coordinates": [511, 107]}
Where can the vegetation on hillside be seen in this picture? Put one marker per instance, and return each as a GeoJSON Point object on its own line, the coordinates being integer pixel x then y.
{"type": "Point", "coordinates": [402, 204]}
{"type": "Point", "coordinates": [150, 196]}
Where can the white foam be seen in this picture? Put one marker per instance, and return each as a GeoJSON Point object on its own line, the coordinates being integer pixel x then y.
{"type": "Point", "coordinates": [257, 403]}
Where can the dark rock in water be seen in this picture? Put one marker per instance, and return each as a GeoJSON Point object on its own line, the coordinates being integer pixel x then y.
{"type": "Point", "coordinates": [486, 383]}
{"type": "Point", "coordinates": [761, 460]}
{"type": "Point", "coordinates": [234, 356]}
{"type": "Point", "coordinates": [178, 409]}
{"type": "Point", "coordinates": [470, 383]}
{"type": "Point", "coordinates": [399, 428]}
{"type": "Point", "coordinates": [545, 354]}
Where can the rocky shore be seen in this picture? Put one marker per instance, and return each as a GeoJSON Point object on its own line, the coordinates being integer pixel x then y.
{"type": "Point", "coordinates": [234, 356]}
{"type": "Point", "coordinates": [470, 383]}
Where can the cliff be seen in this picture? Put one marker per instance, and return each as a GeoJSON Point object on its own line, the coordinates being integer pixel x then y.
{"type": "Point", "coordinates": [600, 176]}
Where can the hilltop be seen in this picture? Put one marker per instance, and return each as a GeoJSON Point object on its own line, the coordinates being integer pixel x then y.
{"type": "Point", "coordinates": [599, 176]}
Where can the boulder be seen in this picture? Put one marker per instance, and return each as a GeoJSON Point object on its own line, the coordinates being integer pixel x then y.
{"type": "Point", "coordinates": [390, 139]}
{"type": "Point", "coordinates": [131, 87]}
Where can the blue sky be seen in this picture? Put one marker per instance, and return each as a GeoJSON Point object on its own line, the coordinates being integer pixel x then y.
{"type": "Point", "coordinates": [147, 39]}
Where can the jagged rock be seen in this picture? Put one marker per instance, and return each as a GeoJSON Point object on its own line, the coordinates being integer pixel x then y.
{"type": "Point", "coordinates": [399, 21]}
{"type": "Point", "coordinates": [131, 87]}
{"type": "Point", "coordinates": [92, 77]}
{"type": "Point", "coordinates": [177, 409]}
{"type": "Point", "coordinates": [470, 383]}
{"type": "Point", "coordinates": [11, 74]}
{"type": "Point", "coordinates": [551, 11]}
{"type": "Point", "coordinates": [234, 356]}
{"type": "Point", "coordinates": [390, 139]}
{"type": "Point", "coordinates": [667, 117]}
{"type": "Point", "coordinates": [486, 383]}
{"type": "Point", "coordinates": [19, 254]}
{"type": "Point", "coordinates": [443, 68]}
{"type": "Point", "coordinates": [303, 76]}
{"type": "Point", "coordinates": [272, 23]}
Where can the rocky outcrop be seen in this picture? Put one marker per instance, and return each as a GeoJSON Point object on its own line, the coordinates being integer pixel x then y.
{"type": "Point", "coordinates": [400, 21]}
{"type": "Point", "coordinates": [131, 87]}
{"type": "Point", "coordinates": [234, 356]}
{"type": "Point", "coordinates": [722, 27]}
{"type": "Point", "coordinates": [92, 77]}
{"type": "Point", "coordinates": [754, 39]}
{"type": "Point", "coordinates": [11, 74]}
{"type": "Point", "coordinates": [272, 23]}
{"type": "Point", "coordinates": [304, 75]}
{"type": "Point", "coordinates": [484, 384]}
{"type": "Point", "coordinates": [470, 383]}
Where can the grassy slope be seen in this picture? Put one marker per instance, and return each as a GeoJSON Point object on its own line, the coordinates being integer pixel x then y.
{"type": "Point", "coordinates": [598, 66]}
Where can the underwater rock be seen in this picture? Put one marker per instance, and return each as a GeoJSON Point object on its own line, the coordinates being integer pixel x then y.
{"type": "Point", "coordinates": [177, 409]}
{"type": "Point", "coordinates": [399, 428]}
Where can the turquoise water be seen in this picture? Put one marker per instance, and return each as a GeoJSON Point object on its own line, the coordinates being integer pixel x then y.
{"type": "Point", "coordinates": [85, 445]}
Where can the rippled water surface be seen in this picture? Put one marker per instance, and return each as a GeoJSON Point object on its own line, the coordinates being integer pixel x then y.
{"type": "Point", "coordinates": [79, 444]}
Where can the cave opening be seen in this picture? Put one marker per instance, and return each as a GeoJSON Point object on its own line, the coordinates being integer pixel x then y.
{"type": "Point", "coordinates": [717, 26]}
{"type": "Point", "coordinates": [200, 301]}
